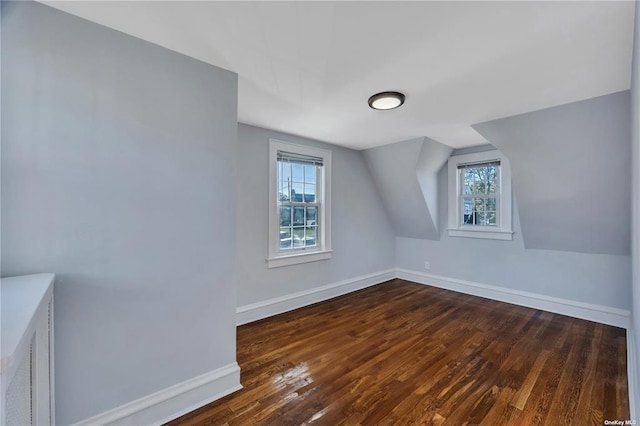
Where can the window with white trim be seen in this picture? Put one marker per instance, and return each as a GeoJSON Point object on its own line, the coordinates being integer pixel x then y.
{"type": "Point", "coordinates": [299, 200]}
{"type": "Point", "coordinates": [480, 196]}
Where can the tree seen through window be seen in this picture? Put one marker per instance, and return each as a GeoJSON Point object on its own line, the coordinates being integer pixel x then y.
{"type": "Point", "coordinates": [480, 193]}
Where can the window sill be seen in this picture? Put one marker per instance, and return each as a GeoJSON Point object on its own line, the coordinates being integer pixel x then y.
{"type": "Point", "coordinates": [480, 233]}
{"type": "Point", "coordinates": [294, 259]}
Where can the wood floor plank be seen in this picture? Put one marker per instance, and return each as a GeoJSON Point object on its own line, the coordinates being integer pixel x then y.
{"type": "Point", "coordinates": [401, 353]}
{"type": "Point", "coordinates": [521, 398]}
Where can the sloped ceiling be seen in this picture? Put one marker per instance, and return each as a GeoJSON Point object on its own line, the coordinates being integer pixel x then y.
{"type": "Point", "coordinates": [307, 68]}
{"type": "Point", "coordinates": [406, 176]}
{"type": "Point", "coordinates": [571, 173]}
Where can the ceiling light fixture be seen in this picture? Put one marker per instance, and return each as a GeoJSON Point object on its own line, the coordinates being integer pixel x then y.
{"type": "Point", "coordinates": [386, 100]}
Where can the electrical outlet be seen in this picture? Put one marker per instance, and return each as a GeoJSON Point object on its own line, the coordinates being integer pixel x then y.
{"type": "Point", "coordinates": [427, 265]}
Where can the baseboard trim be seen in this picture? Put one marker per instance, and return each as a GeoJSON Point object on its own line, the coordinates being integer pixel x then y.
{"type": "Point", "coordinates": [632, 375]}
{"type": "Point", "coordinates": [256, 311]}
{"type": "Point", "coordinates": [174, 401]}
{"type": "Point", "coordinates": [597, 313]}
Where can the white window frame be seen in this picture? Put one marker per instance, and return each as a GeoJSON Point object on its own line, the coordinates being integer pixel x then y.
{"type": "Point", "coordinates": [276, 257]}
{"type": "Point", "coordinates": [503, 229]}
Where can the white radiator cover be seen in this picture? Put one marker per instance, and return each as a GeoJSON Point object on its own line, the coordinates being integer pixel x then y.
{"type": "Point", "coordinates": [18, 398]}
{"type": "Point", "coordinates": [26, 365]}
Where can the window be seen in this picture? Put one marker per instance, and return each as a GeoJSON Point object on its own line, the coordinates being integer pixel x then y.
{"type": "Point", "coordinates": [479, 193]}
{"type": "Point", "coordinates": [298, 201]}
{"type": "Point", "coordinates": [299, 194]}
{"type": "Point", "coordinates": [480, 196]}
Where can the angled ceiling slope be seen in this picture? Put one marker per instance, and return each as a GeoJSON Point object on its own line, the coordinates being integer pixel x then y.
{"type": "Point", "coordinates": [571, 173]}
{"type": "Point", "coordinates": [406, 176]}
{"type": "Point", "coordinates": [308, 68]}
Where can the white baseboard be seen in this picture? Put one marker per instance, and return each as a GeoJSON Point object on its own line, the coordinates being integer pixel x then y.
{"type": "Point", "coordinates": [174, 401]}
{"type": "Point", "coordinates": [597, 313]}
{"type": "Point", "coordinates": [256, 311]}
{"type": "Point", "coordinates": [632, 376]}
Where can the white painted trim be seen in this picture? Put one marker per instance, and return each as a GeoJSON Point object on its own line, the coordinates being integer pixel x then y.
{"type": "Point", "coordinates": [504, 229]}
{"type": "Point", "coordinates": [597, 313]}
{"type": "Point", "coordinates": [301, 257]}
{"type": "Point", "coordinates": [289, 302]}
{"type": "Point", "coordinates": [324, 187]}
{"type": "Point", "coordinates": [477, 233]}
{"type": "Point", "coordinates": [632, 376]}
{"type": "Point", "coordinates": [174, 401]}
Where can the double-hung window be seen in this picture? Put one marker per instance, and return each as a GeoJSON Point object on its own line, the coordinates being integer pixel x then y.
{"type": "Point", "coordinates": [480, 196]}
{"type": "Point", "coordinates": [299, 217]}
{"type": "Point", "coordinates": [479, 193]}
{"type": "Point", "coordinates": [298, 201]}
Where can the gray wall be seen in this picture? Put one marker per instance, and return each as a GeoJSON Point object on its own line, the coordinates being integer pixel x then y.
{"type": "Point", "coordinates": [362, 240]}
{"type": "Point", "coordinates": [591, 278]}
{"type": "Point", "coordinates": [473, 149]}
{"type": "Point", "coordinates": [405, 175]}
{"type": "Point", "coordinates": [571, 173]}
{"type": "Point", "coordinates": [635, 224]}
{"type": "Point", "coordinates": [0, 155]}
{"type": "Point", "coordinates": [118, 171]}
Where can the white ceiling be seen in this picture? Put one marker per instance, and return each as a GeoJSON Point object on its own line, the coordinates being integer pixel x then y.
{"type": "Point", "coordinates": [308, 68]}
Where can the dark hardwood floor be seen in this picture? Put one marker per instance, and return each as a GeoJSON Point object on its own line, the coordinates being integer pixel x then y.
{"type": "Point", "coordinates": [401, 353]}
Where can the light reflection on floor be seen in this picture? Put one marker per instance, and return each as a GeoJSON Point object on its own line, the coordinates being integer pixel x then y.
{"type": "Point", "coordinates": [292, 376]}
{"type": "Point", "coordinates": [316, 416]}
{"type": "Point", "coordinates": [295, 378]}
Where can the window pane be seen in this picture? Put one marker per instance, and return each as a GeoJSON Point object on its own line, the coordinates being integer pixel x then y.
{"type": "Point", "coordinates": [468, 188]}
{"type": "Point", "coordinates": [312, 216]}
{"type": "Point", "coordinates": [478, 205]}
{"type": "Point", "coordinates": [298, 237]}
{"type": "Point", "coordinates": [480, 180]}
{"type": "Point", "coordinates": [491, 218]}
{"type": "Point", "coordinates": [296, 192]}
{"type": "Point", "coordinates": [480, 218]}
{"type": "Point", "coordinates": [310, 173]}
{"type": "Point", "coordinates": [284, 181]}
{"type": "Point", "coordinates": [284, 170]}
{"type": "Point", "coordinates": [297, 171]}
{"type": "Point", "coordinates": [468, 218]}
{"type": "Point", "coordinates": [310, 236]}
{"type": "Point", "coordinates": [283, 192]}
{"type": "Point", "coordinates": [298, 216]}
{"type": "Point", "coordinates": [285, 238]}
{"type": "Point", "coordinates": [309, 193]}
{"type": "Point", "coordinates": [304, 237]}
{"type": "Point", "coordinates": [492, 179]}
{"type": "Point", "coordinates": [285, 215]}
{"type": "Point", "coordinates": [479, 211]}
{"type": "Point", "coordinates": [297, 195]}
{"type": "Point", "coordinates": [467, 181]}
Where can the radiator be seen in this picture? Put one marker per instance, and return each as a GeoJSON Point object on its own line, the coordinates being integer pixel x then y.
{"type": "Point", "coordinates": [26, 367]}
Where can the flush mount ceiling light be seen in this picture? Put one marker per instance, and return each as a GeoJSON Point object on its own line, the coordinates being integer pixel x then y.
{"type": "Point", "coordinates": [386, 100]}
